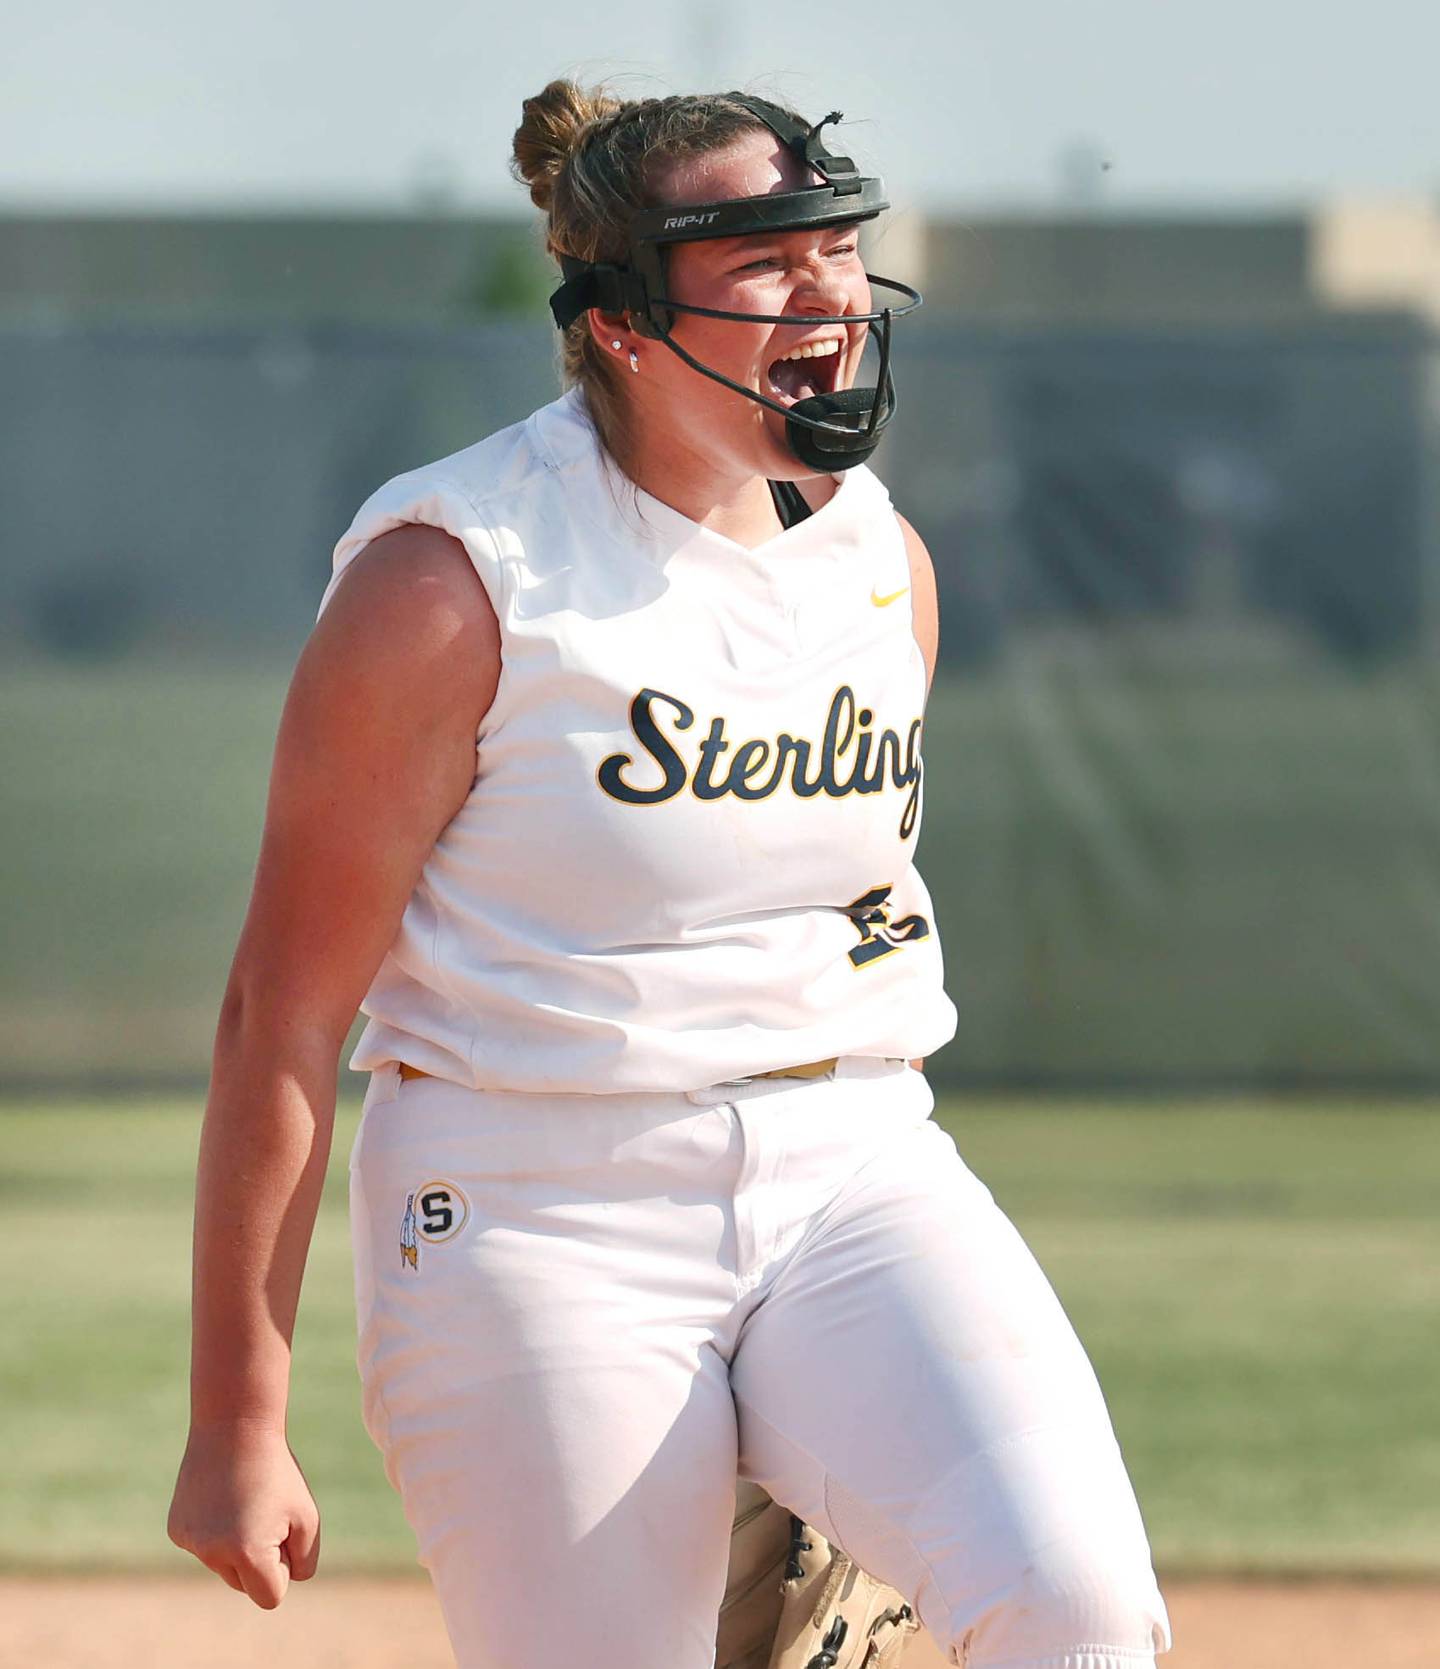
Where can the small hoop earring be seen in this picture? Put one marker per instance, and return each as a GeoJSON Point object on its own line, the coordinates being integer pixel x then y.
{"type": "Point", "coordinates": [617, 344]}
{"type": "Point", "coordinates": [634, 360]}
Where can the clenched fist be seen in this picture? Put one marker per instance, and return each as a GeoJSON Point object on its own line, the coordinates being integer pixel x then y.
{"type": "Point", "coordinates": [243, 1508]}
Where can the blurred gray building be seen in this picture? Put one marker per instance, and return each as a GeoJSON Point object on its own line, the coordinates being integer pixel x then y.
{"type": "Point", "coordinates": [1221, 427]}
{"type": "Point", "coordinates": [1373, 259]}
{"type": "Point", "coordinates": [187, 269]}
{"type": "Point", "coordinates": [1098, 268]}
{"type": "Point", "coordinates": [1224, 421]}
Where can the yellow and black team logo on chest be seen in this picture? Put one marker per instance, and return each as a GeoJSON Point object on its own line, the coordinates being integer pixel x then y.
{"type": "Point", "coordinates": [879, 935]}
{"type": "Point", "coordinates": [435, 1212]}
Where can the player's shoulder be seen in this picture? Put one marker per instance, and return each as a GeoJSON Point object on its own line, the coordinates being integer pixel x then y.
{"type": "Point", "coordinates": [410, 597]}
{"type": "Point", "coordinates": [924, 595]}
{"type": "Point", "coordinates": [482, 498]}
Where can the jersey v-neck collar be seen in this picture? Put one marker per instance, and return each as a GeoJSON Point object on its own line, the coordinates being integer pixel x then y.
{"type": "Point", "coordinates": [683, 525]}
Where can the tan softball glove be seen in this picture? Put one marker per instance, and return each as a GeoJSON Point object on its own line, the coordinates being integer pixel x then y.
{"type": "Point", "coordinates": [794, 1602]}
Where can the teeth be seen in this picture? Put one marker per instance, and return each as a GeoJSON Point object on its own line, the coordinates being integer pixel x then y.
{"type": "Point", "coordinates": [814, 350]}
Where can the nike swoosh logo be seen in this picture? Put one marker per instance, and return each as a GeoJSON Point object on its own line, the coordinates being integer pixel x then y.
{"type": "Point", "coordinates": [885, 602]}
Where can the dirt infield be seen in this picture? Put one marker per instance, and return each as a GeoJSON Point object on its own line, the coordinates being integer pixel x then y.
{"type": "Point", "coordinates": [116, 1623]}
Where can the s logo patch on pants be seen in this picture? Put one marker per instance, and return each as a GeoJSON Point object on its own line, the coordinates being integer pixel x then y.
{"type": "Point", "coordinates": [435, 1212]}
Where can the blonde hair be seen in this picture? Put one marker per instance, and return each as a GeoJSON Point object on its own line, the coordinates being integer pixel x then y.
{"type": "Point", "coordinates": [591, 162]}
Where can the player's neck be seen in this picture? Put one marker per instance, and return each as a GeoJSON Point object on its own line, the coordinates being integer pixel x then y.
{"type": "Point", "coordinates": [737, 506]}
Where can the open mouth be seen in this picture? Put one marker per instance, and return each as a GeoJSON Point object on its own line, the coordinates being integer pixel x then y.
{"type": "Point", "coordinates": [814, 368]}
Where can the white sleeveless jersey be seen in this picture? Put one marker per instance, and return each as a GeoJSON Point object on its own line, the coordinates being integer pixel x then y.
{"type": "Point", "coordinates": [687, 853]}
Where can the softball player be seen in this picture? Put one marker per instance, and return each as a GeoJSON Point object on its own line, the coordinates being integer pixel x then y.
{"type": "Point", "coordinates": [614, 848]}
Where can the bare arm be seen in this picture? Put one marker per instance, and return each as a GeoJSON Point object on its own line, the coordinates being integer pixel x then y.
{"type": "Point", "coordinates": [924, 611]}
{"type": "Point", "coordinates": [376, 753]}
{"type": "Point", "coordinates": [924, 604]}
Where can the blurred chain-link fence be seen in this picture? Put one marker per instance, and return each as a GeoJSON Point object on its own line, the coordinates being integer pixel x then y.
{"type": "Point", "coordinates": [1183, 759]}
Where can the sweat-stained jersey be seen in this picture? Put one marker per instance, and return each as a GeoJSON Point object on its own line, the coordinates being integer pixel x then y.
{"type": "Point", "coordinates": [687, 853]}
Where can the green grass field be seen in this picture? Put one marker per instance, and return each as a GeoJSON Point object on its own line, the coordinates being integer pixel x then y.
{"type": "Point", "coordinates": [1257, 1284]}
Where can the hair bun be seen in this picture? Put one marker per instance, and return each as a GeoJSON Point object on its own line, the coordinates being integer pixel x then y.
{"type": "Point", "coordinates": [551, 126]}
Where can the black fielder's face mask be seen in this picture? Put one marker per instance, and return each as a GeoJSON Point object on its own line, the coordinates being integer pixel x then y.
{"type": "Point", "coordinates": [826, 431]}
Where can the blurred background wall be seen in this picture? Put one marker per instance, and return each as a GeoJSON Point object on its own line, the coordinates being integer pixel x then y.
{"type": "Point", "coordinates": [1177, 457]}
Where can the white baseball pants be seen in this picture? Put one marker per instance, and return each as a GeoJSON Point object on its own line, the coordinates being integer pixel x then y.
{"type": "Point", "coordinates": [581, 1316]}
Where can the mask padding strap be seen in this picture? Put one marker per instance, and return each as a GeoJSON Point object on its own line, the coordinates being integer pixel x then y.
{"type": "Point", "coordinates": [613, 289]}
{"type": "Point", "coordinates": [804, 141]}
{"type": "Point", "coordinates": [884, 392]}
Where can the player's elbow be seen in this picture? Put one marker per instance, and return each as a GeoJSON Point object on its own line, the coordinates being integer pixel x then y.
{"type": "Point", "coordinates": [263, 1017]}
